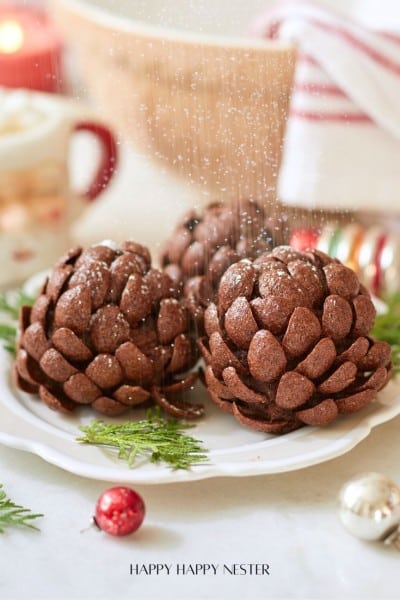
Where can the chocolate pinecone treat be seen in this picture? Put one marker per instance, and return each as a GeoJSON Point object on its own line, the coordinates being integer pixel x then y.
{"type": "Point", "coordinates": [288, 342]}
{"type": "Point", "coordinates": [204, 245]}
{"type": "Point", "coordinates": [107, 330]}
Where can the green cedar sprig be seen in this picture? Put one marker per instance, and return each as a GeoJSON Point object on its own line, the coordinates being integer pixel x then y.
{"type": "Point", "coordinates": [12, 514]}
{"type": "Point", "coordinates": [8, 334]}
{"type": "Point", "coordinates": [10, 304]}
{"type": "Point", "coordinates": [162, 440]}
{"type": "Point", "coordinates": [387, 328]}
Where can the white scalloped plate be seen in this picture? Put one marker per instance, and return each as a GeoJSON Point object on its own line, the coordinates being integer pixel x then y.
{"type": "Point", "coordinates": [27, 424]}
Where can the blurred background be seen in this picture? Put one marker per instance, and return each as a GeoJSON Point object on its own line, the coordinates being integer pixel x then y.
{"type": "Point", "coordinates": [221, 101]}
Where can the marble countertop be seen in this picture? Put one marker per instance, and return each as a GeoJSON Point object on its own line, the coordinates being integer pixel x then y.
{"type": "Point", "coordinates": [286, 521]}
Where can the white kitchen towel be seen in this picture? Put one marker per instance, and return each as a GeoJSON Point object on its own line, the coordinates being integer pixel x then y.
{"type": "Point", "coordinates": [342, 143]}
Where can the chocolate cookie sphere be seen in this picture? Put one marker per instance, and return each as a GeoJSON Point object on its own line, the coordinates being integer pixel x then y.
{"type": "Point", "coordinates": [287, 344]}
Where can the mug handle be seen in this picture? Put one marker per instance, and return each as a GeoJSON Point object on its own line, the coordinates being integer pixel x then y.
{"type": "Point", "coordinates": [108, 160]}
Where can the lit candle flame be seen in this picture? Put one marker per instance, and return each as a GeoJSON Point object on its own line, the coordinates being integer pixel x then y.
{"type": "Point", "coordinates": [11, 36]}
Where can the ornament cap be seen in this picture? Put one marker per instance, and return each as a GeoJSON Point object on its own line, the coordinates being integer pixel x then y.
{"type": "Point", "coordinates": [393, 539]}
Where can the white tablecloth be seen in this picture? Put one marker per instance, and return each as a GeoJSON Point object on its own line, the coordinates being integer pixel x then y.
{"type": "Point", "coordinates": [287, 521]}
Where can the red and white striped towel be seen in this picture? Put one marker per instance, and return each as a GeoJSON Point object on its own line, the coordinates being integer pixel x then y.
{"type": "Point", "coordinates": [342, 145]}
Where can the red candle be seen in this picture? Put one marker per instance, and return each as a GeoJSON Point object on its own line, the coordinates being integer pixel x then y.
{"type": "Point", "coordinates": [30, 50]}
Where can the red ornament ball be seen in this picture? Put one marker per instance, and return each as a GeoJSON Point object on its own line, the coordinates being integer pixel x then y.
{"type": "Point", "coordinates": [303, 238]}
{"type": "Point", "coordinates": [119, 511]}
